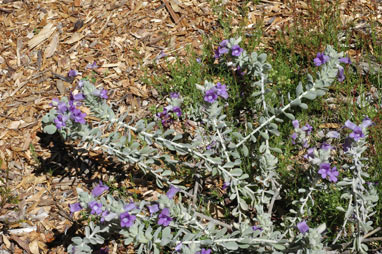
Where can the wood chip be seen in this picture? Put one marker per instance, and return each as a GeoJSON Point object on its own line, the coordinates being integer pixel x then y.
{"type": "Point", "coordinates": [44, 34]}
{"type": "Point", "coordinates": [49, 51]}
{"type": "Point", "coordinates": [75, 37]}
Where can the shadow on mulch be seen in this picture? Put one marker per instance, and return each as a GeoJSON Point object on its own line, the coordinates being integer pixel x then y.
{"type": "Point", "coordinates": [68, 161]}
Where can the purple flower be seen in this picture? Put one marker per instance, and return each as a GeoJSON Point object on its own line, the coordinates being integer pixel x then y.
{"type": "Point", "coordinates": [78, 116]}
{"type": "Point", "coordinates": [236, 50]}
{"type": "Point", "coordinates": [78, 97]}
{"type": "Point", "coordinates": [101, 93]}
{"type": "Point", "coordinates": [60, 105]}
{"type": "Point", "coordinates": [166, 119]}
{"type": "Point", "coordinates": [254, 228]}
{"type": "Point", "coordinates": [153, 209]}
{"type": "Point", "coordinates": [345, 60]}
{"type": "Point", "coordinates": [127, 220]}
{"type": "Point", "coordinates": [72, 73]}
{"type": "Point", "coordinates": [178, 247]}
{"type": "Point", "coordinates": [340, 74]}
{"type": "Point", "coordinates": [357, 131]}
{"type": "Point", "coordinates": [129, 207]}
{"type": "Point", "coordinates": [326, 146]}
{"type": "Point", "coordinates": [333, 173]}
{"type": "Point", "coordinates": [324, 168]}
{"type": "Point", "coordinates": [320, 59]}
{"type": "Point", "coordinates": [226, 185]}
{"type": "Point", "coordinates": [325, 171]}
{"type": "Point", "coordinates": [198, 60]}
{"type": "Point", "coordinates": [221, 90]}
{"type": "Point", "coordinates": [162, 114]}
{"type": "Point", "coordinates": [295, 124]}
{"type": "Point", "coordinates": [104, 215]}
{"type": "Point", "coordinates": [307, 128]}
{"type": "Point", "coordinates": [366, 122]}
{"type": "Point", "coordinates": [75, 208]}
{"type": "Point", "coordinates": [293, 137]}
{"type": "Point", "coordinates": [62, 108]}
{"type": "Point", "coordinates": [99, 189]}
{"type": "Point", "coordinates": [309, 154]}
{"type": "Point", "coordinates": [60, 121]}
{"type": "Point", "coordinates": [333, 134]}
{"type": "Point", "coordinates": [91, 66]}
{"type": "Point", "coordinates": [171, 192]}
{"type": "Point", "coordinates": [224, 43]}
{"type": "Point", "coordinates": [164, 217]}
{"type": "Point", "coordinates": [220, 51]}
{"type": "Point", "coordinates": [302, 227]}
{"type": "Point", "coordinates": [96, 208]}
{"type": "Point", "coordinates": [211, 95]}
{"type": "Point", "coordinates": [174, 95]}
{"type": "Point", "coordinates": [204, 251]}
{"type": "Point", "coordinates": [177, 111]}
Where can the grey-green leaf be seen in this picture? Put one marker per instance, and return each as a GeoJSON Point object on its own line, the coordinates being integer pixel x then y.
{"type": "Point", "coordinates": [50, 129]}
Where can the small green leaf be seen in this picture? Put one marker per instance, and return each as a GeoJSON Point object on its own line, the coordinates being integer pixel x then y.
{"type": "Point", "coordinates": [310, 95]}
{"type": "Point", "coordinates": [245, 150]}
{"type": "Point", "coordinates": [303, 106]}
{"type": "Point", "coordinates": [50, 129]}
{"type": "Point", "coordinates": [290, 116]}
{"type": "Point", "coordinates": [231, 245]}
{"type": "Point", "coordinates": [264, 135]}
{"type": "Point", "coordinates": [299, 89]}
{"type": "Point", "coordinates": [45, 119]}
{"type": "Point", "coordinates": [236, 172]}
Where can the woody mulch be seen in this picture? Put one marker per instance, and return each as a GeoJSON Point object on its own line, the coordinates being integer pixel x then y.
{"type": "Point", "coordinates": [40, 41]}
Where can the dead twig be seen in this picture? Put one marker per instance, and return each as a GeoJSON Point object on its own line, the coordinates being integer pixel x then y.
{"type": "Point", "coordinates": [174, 16]}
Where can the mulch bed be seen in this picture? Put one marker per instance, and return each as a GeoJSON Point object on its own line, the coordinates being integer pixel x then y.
{"type": "Point", "coordinates": [40, 41]}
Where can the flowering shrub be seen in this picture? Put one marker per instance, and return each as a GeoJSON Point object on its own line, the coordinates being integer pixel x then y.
{"type": "Point", "coordinates": [216, 149]}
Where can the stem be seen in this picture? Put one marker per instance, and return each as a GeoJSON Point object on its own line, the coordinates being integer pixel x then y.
{"type": "Point", "coordinates": [344, 224]}
{"type": "Point", "coordinates": [264, 106]}
{"type": "Point", "coordinates": [221, 140]}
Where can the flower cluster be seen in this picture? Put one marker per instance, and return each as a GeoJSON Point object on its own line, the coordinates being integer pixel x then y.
{"type": "Point", "coordinates": [224, 49]}
{"type": "Point", "coordinates": [126, 219]}
{"type": "Point", "coordinates": [69, 110]}
{"type": "Point", "coordinates": [168, 114]}
{"type": "Point", "coordinates": [211, 95]}
{"type": "Point", "coordinates": [301, 133]}
{"type": "Point", "coordinates": [172, 111]}
{"type": "Point", "coordinates": [322, 59]}
{"type": "Point", "coordinates": [325, 171]}
{"type": "Point", "coordinates": [357, 133]}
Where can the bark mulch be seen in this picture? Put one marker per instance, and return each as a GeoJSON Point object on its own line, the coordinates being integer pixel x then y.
{"type": "Point", "coordinates": [40, 41]}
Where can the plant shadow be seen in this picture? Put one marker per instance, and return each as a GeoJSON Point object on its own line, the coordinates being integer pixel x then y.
{"type": "Point", "coordinates": [67, 161]}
